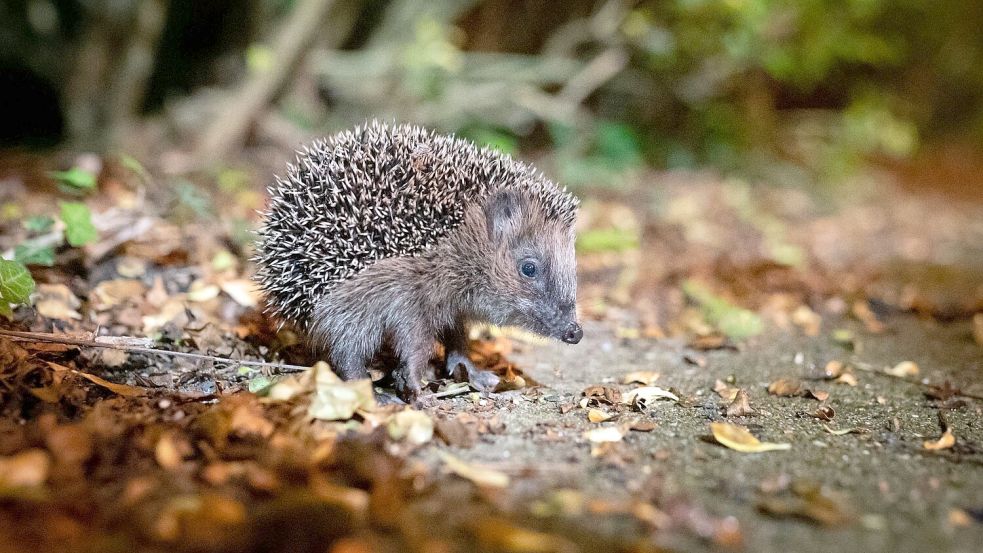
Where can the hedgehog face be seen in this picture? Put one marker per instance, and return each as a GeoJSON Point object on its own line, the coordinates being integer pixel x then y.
{"type": "Point", "coordinates": [534, 272]}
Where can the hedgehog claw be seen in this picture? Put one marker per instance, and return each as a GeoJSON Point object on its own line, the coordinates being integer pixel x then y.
{"type": "Point", "coordinates": [387, 398]}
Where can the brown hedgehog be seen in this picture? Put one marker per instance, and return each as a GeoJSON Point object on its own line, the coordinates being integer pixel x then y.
{"type": "Point", "coordinates": [393, 236]}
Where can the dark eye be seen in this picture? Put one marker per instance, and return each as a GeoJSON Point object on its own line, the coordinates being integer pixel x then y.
{"type": "Point", "coordinates": [528, 269]}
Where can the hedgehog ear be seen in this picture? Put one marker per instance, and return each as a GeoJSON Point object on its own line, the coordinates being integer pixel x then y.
{"type": "Point", "coordinates": [502, 215]}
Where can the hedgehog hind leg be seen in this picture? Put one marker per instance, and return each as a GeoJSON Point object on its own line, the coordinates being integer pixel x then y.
{"type": "Point", "coordinates": [414, 346]}
{"type": "Point", "coordinates": [456, 346]}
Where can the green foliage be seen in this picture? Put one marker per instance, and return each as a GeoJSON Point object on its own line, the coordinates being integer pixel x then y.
{"type": "Point", "coordinates": [38, 223]}
{"type": "Point", "coordinates": [607, 240]}
{"type": "Point", "coordinates": [33, 253]}
{"type": "Point", "coordinates": [16, 285]}
{"type": "Point", "coordinates": [75, 181]}
{"type": "Point", "coordinates": [490, 137]}
{"type": "Point", "coordinates": [79, 230]}
{"type": "Point", "coordinates": [735, 322]}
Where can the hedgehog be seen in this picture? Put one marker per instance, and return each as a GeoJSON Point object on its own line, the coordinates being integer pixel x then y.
{"type": "Point", "coordinates": [393, 238]}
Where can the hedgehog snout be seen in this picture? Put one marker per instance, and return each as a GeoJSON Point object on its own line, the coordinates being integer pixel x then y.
{"type": "Point", "coordinates": [573, 333]}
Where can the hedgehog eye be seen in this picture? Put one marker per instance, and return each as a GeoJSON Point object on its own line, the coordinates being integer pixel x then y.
{"type": "Point", "coordinates": [528, 269]}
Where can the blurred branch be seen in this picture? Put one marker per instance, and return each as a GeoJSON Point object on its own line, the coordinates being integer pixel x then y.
{"type": "Point", "coordinates": [599, 71]}
{"type": "Point", "coordinates": [231, 126]}
{"type": "Point", "coordinates": [129, 85]}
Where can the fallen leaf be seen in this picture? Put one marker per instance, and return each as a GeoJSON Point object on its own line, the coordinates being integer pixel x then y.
{"type": "Point", "coordinates": [808, 320]}
{"type": "Point", "coordinates": [646, 378]}
{"type": "Point", "coordinates": [824, 413]}
{"type": "Point", "coordinates": [477, 474]}
{"type": "Point", "coordinates": [947, 440]}
{"type": "Point", "coordinates": [605, 434]}
{"type": "Point", "coordinates": [642, 426]}
{"type": "Point", "coordinates": [110, 293]}
{"type": "Point", "coordinates": [335, 399]}
{"type": "Point", "coordinates": [113, 357]}
{"type": "Point", "coordinates": [741, 406]}
{"type": "Point", "coordinates": [816, 394]}
{"type": "Point", "coordinates": [25, 469]}
{"type": "Point", "coordinates": [602, 394]}
{"type": "Point", "coordinates": [641, 398]}
{"type": "Point", "coordinates": [201, 291]}
{"type": "Point", "coordinates": [844, 431]}
{"type": "Point", "coordinates": [978, 328]}
{"type": "Point", "coordinates": [456, 433]}
{"type": "Point", "coordinates": [242, 291]}
{"type": "Point", "coordinates": [784, 387]}
{"type": "Point", "coordinates": [56, 301]}
{"type": "Point", "coordinates": [861, 310]}
{"type": "Point", "coordinates": [596, 415]}
{"type": "Point", "coordinates": [170, 451]}
{"type": "Point", "coordinates": [848, 379]}
{"type": "Point", "coordinates": [834, 369]}
{"type": "Point", "coordinates": [903, 369]}
{"type": "Point", "coordinates": [415, 427]}
{"type": "Point", "coordinates": [727, 393]}
{"type": "Point", "coordinates": [739, 439]}
{"type": "Point", "coordinates": [809, 501]}
{"type": "Point", "coordinates": [119, 389]}
{"type": "Point", "coordinates": [959, 518]}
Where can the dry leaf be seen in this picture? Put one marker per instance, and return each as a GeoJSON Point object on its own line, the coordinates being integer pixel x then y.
{"type": "Point", "coordinates": [808, 320]}
{"type": "Point", "coordinates": [119, 389]}
{"type": "Point", "coordinates": [834, 369]}
{"type": "Point", "coordinates": [602, 394]}
{"type": "Point", "coordinates": [739, 439]}
{"type": "Point", "coordinates": [844, 431]}
{"type": "Point", "coordinates": [903, 369]}
{"type": "Point", "coordinates": [816, 394]}
{"type": "Point", "coordinates": [824, 413]}
{"type": "Point", "coordinates": [784, 387]}
{"type": "Point", "coordinates": [947, 440]}
{"type": "Point", "coordinates": [646, 378]}
{"type": "Point", "coordinates": [479, 475]}
{"type": "Point", "coordinates": [646, 395]}
{"type": "Point", "coordinates": [741, 406]}
{"type": "Point", "coordinates": [335, 399]}
{"type": "Point", "coordinates": [605, 434]}
{"type": "Point", "coordinates": [978, 328]}
{"type": "Point", "coordinates": [596, 415]}
{"type": "Point", "coordinates": [847, 378]}
{"type": "Point", "coordinates": [242, 291]}
{"type": "Point", "coordinates": [110, 293]}
{"type": "Point", "coordinates": [169, 451]}
{"type": "Point", "coordinates": [25, 469]}
{"type": "Point", "coordinates": [56, 301]}
{"type": "Point", "coordinates": [862, 311]}
{"type": "Point", "coordinates": [200, 291]}
{"type": "Point", "coordinates": [113, 357]}
{"type": "Point", "coordinates": [727, 393]}
{"type": "Point", "coordinates": [809, 501]}
{"type": "Point", "coordinates": [415, 427]}
{"type": "Point", "coordinates": [642, 426]}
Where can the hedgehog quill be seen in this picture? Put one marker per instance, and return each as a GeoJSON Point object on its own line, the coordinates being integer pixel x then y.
{"type": "Point", "coordinates": [394, 237]}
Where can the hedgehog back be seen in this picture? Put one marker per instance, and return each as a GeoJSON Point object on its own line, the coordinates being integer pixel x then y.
{"type": "Point", "coordinates": [372, 193]}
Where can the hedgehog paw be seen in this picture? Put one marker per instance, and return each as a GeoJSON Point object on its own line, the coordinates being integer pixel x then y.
{"type": "Point", "coordinates": [383, 398]}
{"type": "Point", "coordinates": [483, 381]}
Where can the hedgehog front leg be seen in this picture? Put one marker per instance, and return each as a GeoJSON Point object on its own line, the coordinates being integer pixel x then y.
{"type": "Point", "coordinates": [414, 349]}
{"type": "Point", "coordinates": [456, 346]}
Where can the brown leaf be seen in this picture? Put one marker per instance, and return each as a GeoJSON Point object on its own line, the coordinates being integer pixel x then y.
{"type": "Point", "coordinates": [456, 433]}
{"type": "Point", "coordinates": [741, 406]}
{"type": "Point", "coordinates": [739, 439]}
{"type": "Point", "coordinates": [602, 394]}
{"type": "Point", "coordinates": [903, 369]}
{"type": "Point", "coordinates": [479, 475]}
{"type": "Point", "coordinates": [810, 502]}
{"type": "Point", "coordinates": [596, 415]}
{"type": "Point", "coordinates": [784, 387]}
{"type": "Point", "coordinates": [862, 311]}
{"type": "Point", "coordinates": [947, 440]}
{"type": "Point", "coordinates": [834, 369]}
{"type": "Point", "coordinates": [816, 394]}
{"type": "Point", "coordinates": [26, 469]}
{"type": "Point", "coordinates": [645, 378]}
{"type": "Point", "coordinates": [710, 342]}
{"type": "Point", "coordinates": [848, 379]}
{"type": "Point", "coordinates": [56, 301]}
{"type": "Point", "coordinates": [824, 413]}
{"type": "Point", "coordinates": [727, 393]}
{"type": "Point", "coordinates": [808, 320]}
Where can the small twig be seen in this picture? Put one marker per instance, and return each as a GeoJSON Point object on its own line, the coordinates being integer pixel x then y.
{"type": "Point", "coordinates": [453, 391]}
{"type": "Point", "coordinates": [867, 368]}
{"type": "Point", "coordinates": [280, 368]}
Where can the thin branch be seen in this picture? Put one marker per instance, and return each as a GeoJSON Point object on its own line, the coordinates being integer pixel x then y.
{"type": "Point", "coordinates": [277, 368]}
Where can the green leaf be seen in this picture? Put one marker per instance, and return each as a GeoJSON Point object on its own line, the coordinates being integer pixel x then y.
{"type": "Point", "coordinates": [32, 253]}
{"type": "Point", "coordinates": [78, 224]}
{"type": "Point", "coordinates": [16, 285]}
{"type": "Point", "coordinates": [135, 167]}
{"type": "Point", "coordinates": [38, 223]}
{"type": "Point", "coordinates": [75, 178]}
{"type": "Point", "coordinates": [734, 321]}
{"type": "Point", "coordinates": [607, 240]}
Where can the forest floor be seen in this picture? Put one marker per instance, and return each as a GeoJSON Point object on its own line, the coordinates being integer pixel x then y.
{"type": "Point", "coordinates": [843, 330]}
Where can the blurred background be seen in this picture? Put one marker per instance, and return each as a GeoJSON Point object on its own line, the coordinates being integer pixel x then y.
{"type": "Point", "coordinates": [789, 92]}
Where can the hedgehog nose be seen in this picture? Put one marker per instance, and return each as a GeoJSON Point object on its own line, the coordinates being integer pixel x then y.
{"type": "Point", "coordinates": [573, 334]}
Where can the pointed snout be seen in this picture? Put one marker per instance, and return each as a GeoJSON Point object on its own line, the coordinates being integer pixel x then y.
{"type": "Point", "coordinates": [572, 334]}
